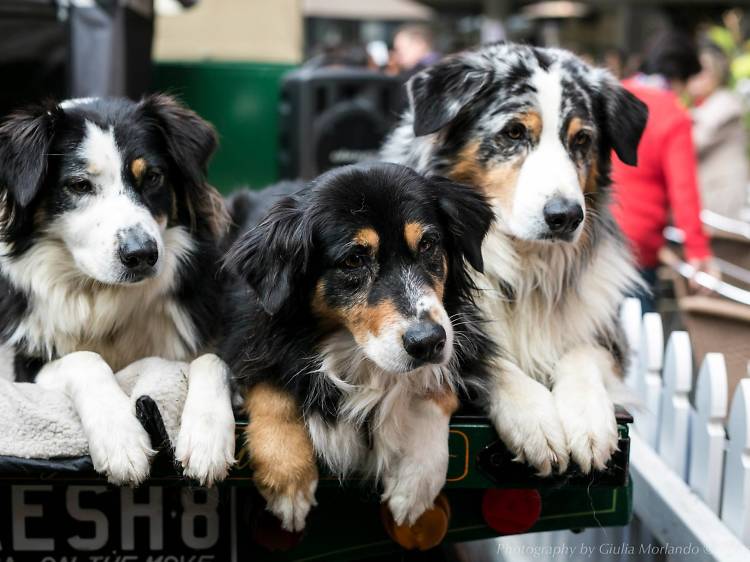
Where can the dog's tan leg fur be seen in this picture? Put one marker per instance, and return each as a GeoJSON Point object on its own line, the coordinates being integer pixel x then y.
{"type": "Point", "coordinates": [281, 454]}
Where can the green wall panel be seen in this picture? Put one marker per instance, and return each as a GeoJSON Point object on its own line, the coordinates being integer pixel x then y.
{"type": "Point", "coordinates": [241, 100]}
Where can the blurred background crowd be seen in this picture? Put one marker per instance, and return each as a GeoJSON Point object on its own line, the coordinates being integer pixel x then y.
{"type": "Point", "coordinates": [297, 86]}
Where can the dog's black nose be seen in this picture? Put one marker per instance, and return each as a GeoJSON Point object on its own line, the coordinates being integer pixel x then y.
{"type": "Point", "coordinates": [138, 251]}
{"type": "Point", "coordinates": [562, 216]}
{"type": "Point", "coordinates": [425, 341]}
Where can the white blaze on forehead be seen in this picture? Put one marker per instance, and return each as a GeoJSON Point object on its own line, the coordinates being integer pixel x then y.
{"type": "Point", "coordinates": [552, 160]}
{"type": "Point", "coordinates": [548, 171]}
{"type": "Point", "coordinates": [549, 97]}
{"type": "Point", "coordinates": [102, 157]}
{"type": "Point", "coordinates": [91, 231]}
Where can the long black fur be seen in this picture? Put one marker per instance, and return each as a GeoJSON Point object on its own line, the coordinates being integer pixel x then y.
{"type": "Point", "coordinates": [273, 335]}
{"type": "Point", "coordinates": [38, 142]}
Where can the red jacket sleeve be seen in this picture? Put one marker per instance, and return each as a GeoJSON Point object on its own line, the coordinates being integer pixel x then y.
{"type": "Point", "coordinates": [680, 170]}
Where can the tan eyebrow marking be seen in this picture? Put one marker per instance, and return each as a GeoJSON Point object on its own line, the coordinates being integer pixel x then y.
{"type": "Point", "coordinates": [138, 168]}
{"type": "Point", "coordinates": [367, 237]}
{"type": "Point", "coordinates": [413, 234]}
{"type": "Point", "coordinates": [533, 122]}
{"type": "Point", "coordinates": [575, 125]}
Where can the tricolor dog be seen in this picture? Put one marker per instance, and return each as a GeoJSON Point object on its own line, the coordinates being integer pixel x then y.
{"type": "Point", "coordinates": [533, 130]}
{"type": "Point", "coordinates": [109, 255]}
{"type": "Point", "coordinates": [354, 309]}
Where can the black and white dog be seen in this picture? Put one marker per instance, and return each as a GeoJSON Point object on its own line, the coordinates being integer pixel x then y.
{"type": "Point", "coordinates": [109, 236]}
{"type": "Point", "coordinates": [533, 129]}
{"type": "Point", "coordinates": [355, 309]}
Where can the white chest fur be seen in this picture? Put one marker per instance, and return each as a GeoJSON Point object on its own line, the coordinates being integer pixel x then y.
{"type": "Point", "coordinates": [386, 401]}
{"type": "Point", "coordinates": [67, 312]}
{"type": "Point", "coordinates": [558, 302]}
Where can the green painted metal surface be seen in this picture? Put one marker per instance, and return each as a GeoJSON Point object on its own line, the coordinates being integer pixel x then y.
{"type": "Point", "coordinates": [347, 522]}
{"type": "Point", "coordinates": [467, 438]}
{"type": "Point", "coordinates": [347, 525]}
{"type": "Point", "coordinates": [241, 100]}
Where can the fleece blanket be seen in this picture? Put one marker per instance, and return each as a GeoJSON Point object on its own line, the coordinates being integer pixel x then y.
{"type": "Point", "coordinates": [39, 423]}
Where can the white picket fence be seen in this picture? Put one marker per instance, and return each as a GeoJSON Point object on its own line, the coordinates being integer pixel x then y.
{"type": "Point", "coordinates": [704, 442]}
{"type": "Point", "coordinates": [690, 460]}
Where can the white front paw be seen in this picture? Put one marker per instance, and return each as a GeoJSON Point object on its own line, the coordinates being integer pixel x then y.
{"type": "Point", "coordinates": [590, 426]}
{"type": "Point", "coordinates": [528, 423]}
{"type": "Point", "coordinates": [291, 508]}
{"type": "Point", "coordinates": [120, 448]}
{"type": "Point", "coordinates": [412, 488]}
{"type": "Point", "coordinates": [205, 445]}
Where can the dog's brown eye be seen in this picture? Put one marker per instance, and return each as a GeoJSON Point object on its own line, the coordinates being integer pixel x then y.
{"type": "Point", "coordinates": [154, 178]}
{"type": "Point", "coordinates": [427, 243]}
{"type": "Point", "coordinates": [515, 131]}
{"type": "Point", "coordinates": [582, 139]}
{"type": "Point", "coordinates": [355, 261]}
{"type": "Point", "coordinates": [80, 185]}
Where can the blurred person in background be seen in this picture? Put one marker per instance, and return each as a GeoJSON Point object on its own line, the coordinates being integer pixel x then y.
{"type": "Point", "coordinates": [378, 54]}
{"type": "Point", "coordinates": [614, 60]}
{"type": "Point", "coordinates": [665, 180]}
{"type": "Point", "coordinates": [413, 49]}
{"type": "Point", "coordinates": [719, 135]}
{"type": "Point", "coordinates": [620, 63]}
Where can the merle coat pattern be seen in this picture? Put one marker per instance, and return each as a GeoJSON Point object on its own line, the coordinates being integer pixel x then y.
{"type": "Point", "coordinates": [534, 129]}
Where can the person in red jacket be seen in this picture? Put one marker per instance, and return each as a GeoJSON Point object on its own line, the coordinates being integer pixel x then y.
{"type": "Point", "coordinates": [664, 183]}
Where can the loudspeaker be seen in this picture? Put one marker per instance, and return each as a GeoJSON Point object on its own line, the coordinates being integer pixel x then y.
{"type": "Point", "coordinates": [334, 116]}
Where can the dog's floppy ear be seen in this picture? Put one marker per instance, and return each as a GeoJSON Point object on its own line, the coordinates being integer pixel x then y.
{"type": "Point", "coordinates": [273, 255]}
{"type": "Point", "coordinates": [25, 138]}
{"type": "Point", "coordinates": [438, 93]}
{"type": "Point", "coordinates": [467, 217]}
{"type": "Point", "coordinates": [625, 118]}
{"type": "Point", "coordinates": [191, 142]}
